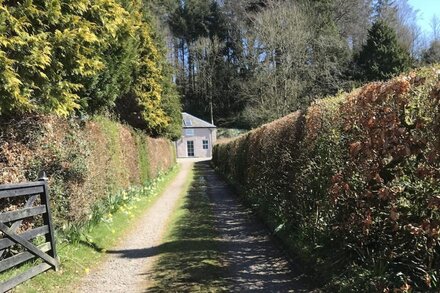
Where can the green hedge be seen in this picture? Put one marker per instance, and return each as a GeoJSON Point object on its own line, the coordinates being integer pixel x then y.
{"type": "Point", "coordinates": [87, 162]}
{"type": "Point", "coordinates": [352, 184]}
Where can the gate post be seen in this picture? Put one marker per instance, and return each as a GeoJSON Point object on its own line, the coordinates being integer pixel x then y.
{"type": "Point", "coordinates": [47, 218]}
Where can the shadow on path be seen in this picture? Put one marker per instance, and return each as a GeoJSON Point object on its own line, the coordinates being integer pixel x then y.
{"type": "Point", "coordinates": [191, 246]}
{"type": "Point", "coordinates": [218, 245]}
{"type": "Point", "coordinates": [255, 261]}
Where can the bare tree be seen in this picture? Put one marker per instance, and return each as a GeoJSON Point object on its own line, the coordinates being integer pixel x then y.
{"type": "Point", "coordinates": [353, 20]}
{"type": "Point", "coordinates": [432, 54]}
{"type": "Point", "coordinates": [282, 34]}
{"type": "Point", "coordinates": [435, 28]}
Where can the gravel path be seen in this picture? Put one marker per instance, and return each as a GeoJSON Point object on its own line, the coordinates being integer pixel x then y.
{"type": "Point", "coordinates": [124, 269]}
{"type": "Point", "coordinates": [254, 260]}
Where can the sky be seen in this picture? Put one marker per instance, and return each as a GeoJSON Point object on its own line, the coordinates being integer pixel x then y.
{"type": "Point", "coordinates": [427, 9]}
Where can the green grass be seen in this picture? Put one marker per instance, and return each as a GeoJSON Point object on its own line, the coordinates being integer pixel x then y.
{"type": "Point", "coordinates": [77, 259]}
{"type": "Point", "coordinates": [189, 257]}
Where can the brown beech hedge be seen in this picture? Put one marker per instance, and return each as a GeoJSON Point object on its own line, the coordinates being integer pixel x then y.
{"type": "Point", "coordinates": [352, 184]}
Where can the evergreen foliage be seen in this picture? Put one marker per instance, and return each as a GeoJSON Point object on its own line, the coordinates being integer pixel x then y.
{"type": "Point", "coordinates": [256, 61]}
{"type": "Point", "coordinates": [381, 57]}
{"type": "Point", "coordinates": [64, 56]}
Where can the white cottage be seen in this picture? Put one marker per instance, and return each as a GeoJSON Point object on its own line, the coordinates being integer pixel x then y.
{"type": "Point", "coordinates": [197, 139]}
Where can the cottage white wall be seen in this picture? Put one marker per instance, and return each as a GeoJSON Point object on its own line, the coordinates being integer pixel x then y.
{"type": "Point", "coordinates": [214, 136]}
{"type": "Point", "coordinates": [200, 134]}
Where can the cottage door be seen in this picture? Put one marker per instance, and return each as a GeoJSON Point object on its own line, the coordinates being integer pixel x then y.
{"type": "Point", "coordinates": [190, 148]}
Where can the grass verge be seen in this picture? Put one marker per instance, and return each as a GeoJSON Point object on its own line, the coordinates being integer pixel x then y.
{"type": "Point", "coordinates": [78, 258]}
{"type": "Point", "coordinates": [190, 258]}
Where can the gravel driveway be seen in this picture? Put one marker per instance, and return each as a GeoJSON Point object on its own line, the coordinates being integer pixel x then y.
{"type": "Point", "coordinates": [253, 260]}
{"type": "Point", "coordinates": [125, 267]}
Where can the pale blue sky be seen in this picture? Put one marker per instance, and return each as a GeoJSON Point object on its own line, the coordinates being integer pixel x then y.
{"type": "Point", "coordinates": [427, 8]}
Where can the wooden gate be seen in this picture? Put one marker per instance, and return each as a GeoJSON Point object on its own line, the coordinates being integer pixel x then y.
{"type": "Point", "coordinates": [24, 225]}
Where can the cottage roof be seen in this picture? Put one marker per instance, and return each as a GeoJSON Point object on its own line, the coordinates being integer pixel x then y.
{"type": "Point", "coordinates": [190, 121]}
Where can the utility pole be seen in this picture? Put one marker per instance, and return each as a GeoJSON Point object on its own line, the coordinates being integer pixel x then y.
{"type": "Point", "coordinates": [212, 114]}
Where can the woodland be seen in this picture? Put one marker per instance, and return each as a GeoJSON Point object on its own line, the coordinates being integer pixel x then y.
{"type": "Point", "coordinates": [256, 61]}
{"type": "Point", "coordinates": [244, 62]}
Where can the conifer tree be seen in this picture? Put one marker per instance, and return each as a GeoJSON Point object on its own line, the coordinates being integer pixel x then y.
{"type": "Point", "coordinates": [65, 57]}
{"type": "Point", "coordinates": [381, 57]}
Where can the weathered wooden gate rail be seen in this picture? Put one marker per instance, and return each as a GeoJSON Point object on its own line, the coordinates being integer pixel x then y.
{"type": "Point", "coordinates": [36, 203]}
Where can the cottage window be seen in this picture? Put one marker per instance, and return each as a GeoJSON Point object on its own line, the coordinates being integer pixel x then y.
{"type": "Point", "coordinates": [189, 132]}
{"type": "Point", "coordinates": [205, 145]}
